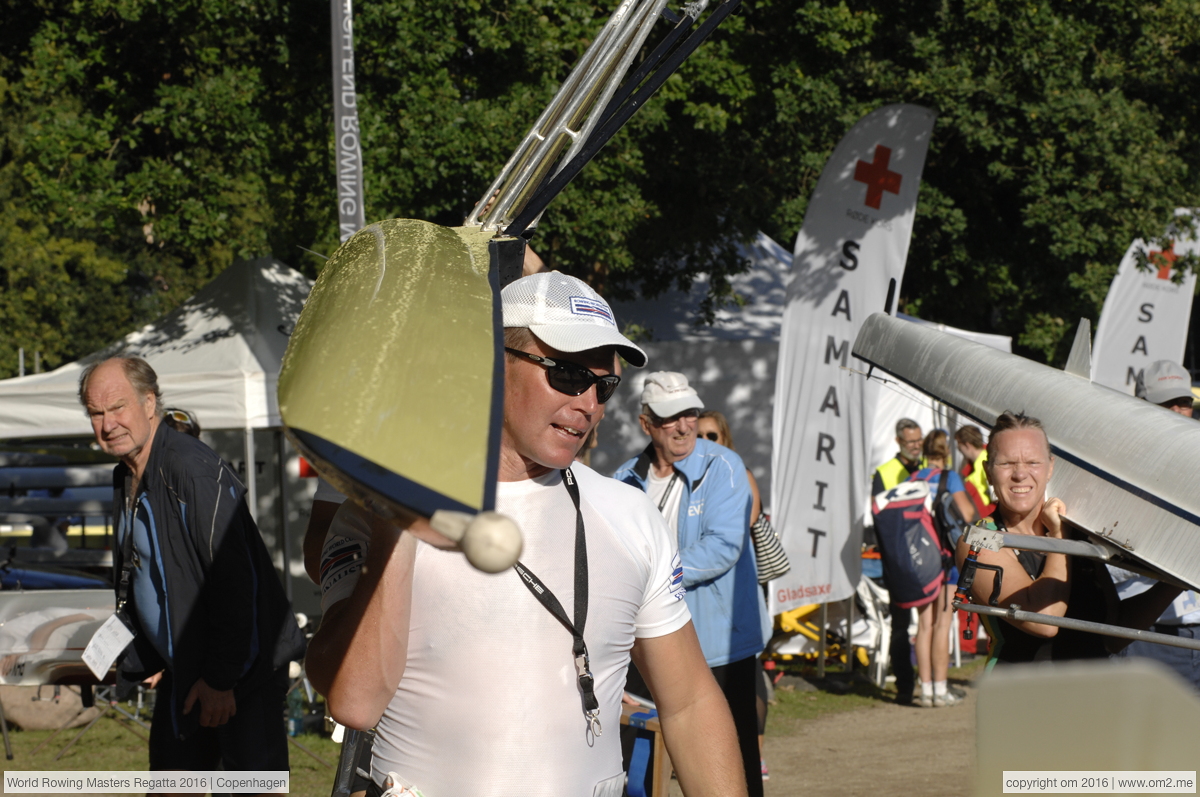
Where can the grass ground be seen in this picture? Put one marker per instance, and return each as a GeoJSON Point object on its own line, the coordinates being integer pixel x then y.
{"type": "Point", "coordinates": [109, 746]}
{"type": "Point", "coordinates": [793, 707]}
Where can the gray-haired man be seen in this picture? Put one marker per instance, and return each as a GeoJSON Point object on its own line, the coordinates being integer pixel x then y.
{"type": "Point", "coordinates": [208, 611]}
{"type": "Point", "coordinates": [703, 492]}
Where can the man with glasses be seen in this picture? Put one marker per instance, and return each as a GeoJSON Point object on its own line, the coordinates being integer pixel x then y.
{"type": "Point", "coordinates": [511, 683]}
{"type": "Point", "coordinates": [906, 462]}
{"type": "Point", "coordinates": [702, 490]}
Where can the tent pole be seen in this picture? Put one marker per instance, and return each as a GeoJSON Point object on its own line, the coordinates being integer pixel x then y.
{"type": "Point", "coordinates": [850, 635]}
{"type": "Point", "coordinates": [251, 487]}
{"type": "Point", "coordinates": [824, 631]}
{"type": "Point", "coordinates": [283, 514]}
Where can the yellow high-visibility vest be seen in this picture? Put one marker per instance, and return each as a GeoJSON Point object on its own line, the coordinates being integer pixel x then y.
{"type": "Point", "coordinates": [892, 472]}
{"type": "Point", "coordinates": [979, 477]}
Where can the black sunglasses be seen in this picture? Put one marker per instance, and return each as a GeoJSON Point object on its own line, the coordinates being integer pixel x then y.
{"type": "Point", "coordinates": [712, 436]}
{"type": "Point", "coordinates": [572, 379]}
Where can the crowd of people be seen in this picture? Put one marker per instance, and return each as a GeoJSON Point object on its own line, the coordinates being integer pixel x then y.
{"type": "Point", "coordinates": [643, 586]}
{"type": "Point", "coordinates": [1002, 486]}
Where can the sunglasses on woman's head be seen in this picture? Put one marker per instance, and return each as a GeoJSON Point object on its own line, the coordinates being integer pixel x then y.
{"type": "Point", "coordinates": [571, 378]}
{"type": "Point", "coordinates": [180, 416]}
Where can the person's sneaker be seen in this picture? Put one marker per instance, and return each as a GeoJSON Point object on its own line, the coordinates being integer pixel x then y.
{"type": "Point", "coordinates": [904, 698]}
{"type": "Point", "coordinates": [926, 701]}
{"type": "Point", "coordinates": [766, 775]}
{"type": "Point", "coordinates": [948, 699]}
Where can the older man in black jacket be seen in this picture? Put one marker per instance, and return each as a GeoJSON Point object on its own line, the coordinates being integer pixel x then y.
{"type": "Point", "coordinates": [200, 589]}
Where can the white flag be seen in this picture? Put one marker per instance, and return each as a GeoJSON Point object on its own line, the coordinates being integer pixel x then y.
{"type": "Point", "coordinates": [854, 240]}
{"type": "Point", "coordinates": [351, 212]}
{"type": "Point", "coordinates": [1145, 316]}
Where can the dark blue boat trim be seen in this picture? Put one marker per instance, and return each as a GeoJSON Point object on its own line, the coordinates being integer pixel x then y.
{"type": "Point", "coordinates": [381, 483]}
{"type": "Point", "coordinates": [1149, 498]}
{"type": "Point", "coordinates": [497, 419]}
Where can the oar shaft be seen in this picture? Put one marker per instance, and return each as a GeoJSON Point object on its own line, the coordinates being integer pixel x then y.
{"type": "Point", "coordinates": [1019, 615]}
{"type": "Point", "coordinates": [614, 123]}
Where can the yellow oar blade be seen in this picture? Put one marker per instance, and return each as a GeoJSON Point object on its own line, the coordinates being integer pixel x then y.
{"type": "Point", "coordinates": [392, 382]}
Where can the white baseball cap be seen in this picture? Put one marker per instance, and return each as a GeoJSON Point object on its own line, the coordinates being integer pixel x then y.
{"type": "Point", "coordinates": [565, 313]}
{"type": "Point", "coordinates": [668, 393]}
{"type": "Point", "coordinates": [1164, 381]}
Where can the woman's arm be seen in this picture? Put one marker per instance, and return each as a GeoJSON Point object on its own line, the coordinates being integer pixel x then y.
{"type": "Point", "coordinates": [1047, 594]}
{"type": "Point", "coordinates": [756, 505]}
{"type": "Point", "coordinates": [966, 506]}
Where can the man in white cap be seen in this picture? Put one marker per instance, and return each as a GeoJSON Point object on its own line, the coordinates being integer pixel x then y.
{"type": "Point", "coordinates": [702, 490]}
{"type": "Point", "coordinates": [1168, 385]}
{"type": "Point", "coordinates": [510, 684]}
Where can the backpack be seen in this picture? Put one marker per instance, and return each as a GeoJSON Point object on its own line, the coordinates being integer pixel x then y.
{"type": "Point", "coordinates": [947, 519]}
{"type": "Point", "coordinates": [909, 547]}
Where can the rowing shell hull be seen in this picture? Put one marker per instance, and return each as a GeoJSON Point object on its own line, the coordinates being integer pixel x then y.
{"type": "Point", "coordinates": [1126, 469]}
{"type": "Point", "coordinates": [72, 616]}
{"type": "Point", "coordinates": [392, 384]}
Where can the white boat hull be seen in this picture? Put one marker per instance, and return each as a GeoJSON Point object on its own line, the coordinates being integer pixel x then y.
{"type": "Point", "coordinates": [1127, 470]}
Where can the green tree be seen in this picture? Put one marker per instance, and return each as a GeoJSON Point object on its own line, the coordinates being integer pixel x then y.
{"type": "Point", "coordinates": [1064, 132]}
{"type": "Point", "coordinates": [145, 146]}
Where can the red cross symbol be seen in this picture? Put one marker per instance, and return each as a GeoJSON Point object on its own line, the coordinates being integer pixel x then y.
{"type": "Point", "coordinates": [877, 177]}
{"type": "Point", "coordinates": [1165, 260]}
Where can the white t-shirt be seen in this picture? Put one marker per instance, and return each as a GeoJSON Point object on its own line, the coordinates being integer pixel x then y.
{"type": "Point", "coordinates": [489, 702]}
{"type": "Point", "coordinates": [671, 488]}
{"type": "Point", "coordinates": [327, 492]}
{"type": "Point", "coordinates": [1184, 610]}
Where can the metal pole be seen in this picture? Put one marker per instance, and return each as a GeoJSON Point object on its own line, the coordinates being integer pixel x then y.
{"type": "Point", "coordinates": [344, 777]}
{"type": "Point", "coordinates": [1015, 613]}
{"type": "Point", "coordinates": [283, 513]}
{"type": "Point", "coordinates": [956, 635]}
{"type": "Point", "coordinates": [251, 487]}
{"type": "Point", "coordinates": [37, 362]}
{"type": "Point", "coordinates": [824, 631]}
{"type": "Point", "coordinates": [21, 361]}
{"type": "Point", "coordinates": [850, 635]}
{"type": "Point", "coordinates": [610, 126]}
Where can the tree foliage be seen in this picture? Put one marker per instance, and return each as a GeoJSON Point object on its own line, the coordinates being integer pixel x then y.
{"type": "Point", "coordinates": [144, 146]}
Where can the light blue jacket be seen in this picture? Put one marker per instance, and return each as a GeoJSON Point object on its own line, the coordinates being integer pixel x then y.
{"type": "Point", "coordinates": [719, 571]}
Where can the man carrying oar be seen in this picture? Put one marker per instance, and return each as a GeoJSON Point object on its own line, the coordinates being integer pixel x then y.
{"type": "Point", "coordinates": [510, 684]}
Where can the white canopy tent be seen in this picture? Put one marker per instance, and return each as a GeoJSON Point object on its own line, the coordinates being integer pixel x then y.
{"type": "Point", "coordinates": [732, 365]}
{"type": "Point", "coordinates": [218, 356]}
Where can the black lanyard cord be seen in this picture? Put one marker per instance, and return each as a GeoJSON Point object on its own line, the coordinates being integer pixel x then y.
{"type": "Point", "coordinates": [127, 552]}
{"type": "Point", "coordinates": [670, 487]}
{"type": "Point", "coordinates": [587, 684]}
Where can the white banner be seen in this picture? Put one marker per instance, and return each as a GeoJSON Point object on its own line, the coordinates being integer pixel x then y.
{"type": "Point", "coordinates": [1145, 316]}
{"type": "Point", "coordinates": [345, 122]}
{"type": "Point", "coordinates": [854, 240]}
